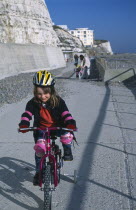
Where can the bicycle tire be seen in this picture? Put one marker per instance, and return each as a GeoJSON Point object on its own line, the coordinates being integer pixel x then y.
{"type": "Point", "coordinates": [47, 188]}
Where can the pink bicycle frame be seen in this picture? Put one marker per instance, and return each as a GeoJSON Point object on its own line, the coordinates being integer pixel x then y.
{"type": "Point", "coordinates": [48, 150]}
{"type": "Point", "coordinates": [51, 157]}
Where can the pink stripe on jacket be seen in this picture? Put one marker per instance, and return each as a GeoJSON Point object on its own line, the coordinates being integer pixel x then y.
{"type": "Point", "coordinates": [29, 113]}
{"type": "Point", "coordinates": [64, 113]}
{"type": "Point", "coordinates": [25, 118]}
{"type": "Point", "coordinates": [68, 118]}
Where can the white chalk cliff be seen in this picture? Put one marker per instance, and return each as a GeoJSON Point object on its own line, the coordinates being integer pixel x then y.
{"type": "Point", "coordinates": [26, 21]}
{"type": "Point", "coordinates": [67, 41]}
{"type": "Point", "coordinates": [27, 39]}
{"type": "Point", "coordinates": [107, 47]}
{"type": "Point", "coordinates": [103, 46]}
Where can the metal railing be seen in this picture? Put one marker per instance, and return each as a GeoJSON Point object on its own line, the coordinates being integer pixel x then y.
{"type": "Point", "coordinates": [130, 69]}
{"type": "Point", "coordinates": [119, 64]}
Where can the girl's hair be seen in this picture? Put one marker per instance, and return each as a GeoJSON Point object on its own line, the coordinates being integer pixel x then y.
{"type": "Point", "coordinates": [54, 99]}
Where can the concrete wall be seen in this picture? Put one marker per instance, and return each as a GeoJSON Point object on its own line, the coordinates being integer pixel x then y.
{"type": "Point", "coordinates": [101, 69]}
{"type": "Point", "coordinates": [17, 58]}
{"type": "Point", "coordinates": [107, 70]}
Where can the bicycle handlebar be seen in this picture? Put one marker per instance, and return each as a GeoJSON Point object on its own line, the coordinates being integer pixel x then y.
{"type": "Point", "coordinates": [45, 129]}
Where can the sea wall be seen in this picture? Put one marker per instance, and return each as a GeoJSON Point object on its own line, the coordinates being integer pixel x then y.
{"type": "Point", "coordinates": [18, 58]}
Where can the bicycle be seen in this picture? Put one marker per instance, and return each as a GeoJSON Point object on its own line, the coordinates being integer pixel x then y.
{"type": "Point", "coordinates": [50, 164]}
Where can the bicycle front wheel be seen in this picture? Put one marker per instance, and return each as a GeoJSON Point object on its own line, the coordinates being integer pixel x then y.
{"type": "Point", "coordinates": [47, 188]}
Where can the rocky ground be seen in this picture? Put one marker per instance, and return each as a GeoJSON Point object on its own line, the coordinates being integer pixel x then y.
{"type": "Point", "coordinates": [17, 87]}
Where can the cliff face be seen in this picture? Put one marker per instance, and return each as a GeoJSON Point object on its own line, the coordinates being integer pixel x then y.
{"type": "Point", "coordinates": [27, 39]}
{"type": "Point", "coordinates": [103, 46]}
{"type": "Point", "coordinates": [26, 21]}
{"type": "Point", "coordinates": [67, 41]}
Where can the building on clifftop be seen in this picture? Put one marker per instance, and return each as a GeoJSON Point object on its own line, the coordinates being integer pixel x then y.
{"type": "Point", "coordinates": [84, 34]}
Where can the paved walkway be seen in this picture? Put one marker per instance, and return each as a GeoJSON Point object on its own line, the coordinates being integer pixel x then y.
{"type": "Point", "coordinates": [105, 158]}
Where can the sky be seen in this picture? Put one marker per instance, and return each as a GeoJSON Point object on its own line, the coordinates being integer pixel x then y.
{"type": "Point", "coordinates": [112, 20]}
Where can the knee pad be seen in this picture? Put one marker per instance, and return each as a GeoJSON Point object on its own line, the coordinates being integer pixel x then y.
{"type": "Point", "coordinates": [66, 138]}
{"type": "Point", "coordinates": [40, 147]}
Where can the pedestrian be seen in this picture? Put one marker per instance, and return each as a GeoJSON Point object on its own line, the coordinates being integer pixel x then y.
{"type": "Point", "coordinates": [85, 67]}
{"type": "Point", "coordinates": [76, 59]}
{"type": "Point", "coordinates": [49, 110]}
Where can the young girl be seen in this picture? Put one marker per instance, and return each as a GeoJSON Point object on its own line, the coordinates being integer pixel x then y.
{"type": "Point", "coordinates": [49, 110]}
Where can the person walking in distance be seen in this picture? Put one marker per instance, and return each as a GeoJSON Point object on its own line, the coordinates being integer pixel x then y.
{"type": "Point", "coordinates": [76, 59]}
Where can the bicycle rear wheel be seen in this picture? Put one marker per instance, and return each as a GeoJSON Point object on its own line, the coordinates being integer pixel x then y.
{"type": "Point", "coordinates": [58, 161]}
{"type": "Point", "coordinates": [47, 188]}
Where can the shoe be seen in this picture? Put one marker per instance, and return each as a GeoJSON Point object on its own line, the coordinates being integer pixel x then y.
{"type": "Point", "coordinates": [67, 153]}
{"type": "Point", "coordinates": [36, 179]}
{"type": "Point", "coordinates": [68, 157]}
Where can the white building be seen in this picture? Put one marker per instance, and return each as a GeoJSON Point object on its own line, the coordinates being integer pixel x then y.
{"type": "Point", "coordinates": [84, 34]}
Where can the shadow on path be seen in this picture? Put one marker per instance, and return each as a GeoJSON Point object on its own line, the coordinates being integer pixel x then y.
{"type": "Point", "coordinates": [13, 172]}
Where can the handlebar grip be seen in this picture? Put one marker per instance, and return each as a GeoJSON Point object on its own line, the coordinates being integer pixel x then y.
{"type": "Point", "coordinates": [27, 129]}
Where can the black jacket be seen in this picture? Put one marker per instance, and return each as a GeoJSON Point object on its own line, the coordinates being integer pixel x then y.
{"type": "Point", "coordinates": [60, 113]}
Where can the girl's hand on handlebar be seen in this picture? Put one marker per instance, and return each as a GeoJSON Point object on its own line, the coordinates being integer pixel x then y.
{"type": "Point", "coordinates": [71, 127]}
{"type": "Point", "coordinates": [23, 126]}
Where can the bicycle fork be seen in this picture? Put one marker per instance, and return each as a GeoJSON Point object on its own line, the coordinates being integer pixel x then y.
{"type": "Point", "coordinates": [54, 168]}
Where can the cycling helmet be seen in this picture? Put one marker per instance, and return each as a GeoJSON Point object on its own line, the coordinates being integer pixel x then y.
{"type": "Point", "coordinates": [43, 78]}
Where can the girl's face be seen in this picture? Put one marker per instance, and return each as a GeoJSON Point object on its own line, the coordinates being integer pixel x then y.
{"type": "Point", "coordinates": [41, 95]}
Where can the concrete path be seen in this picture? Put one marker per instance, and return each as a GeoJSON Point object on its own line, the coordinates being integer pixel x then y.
{"type": "Point", "coordinates": [105, 158]}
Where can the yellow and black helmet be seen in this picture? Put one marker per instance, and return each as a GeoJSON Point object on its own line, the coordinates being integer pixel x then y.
{"type": "Point", "coordinates": [43, 78]}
